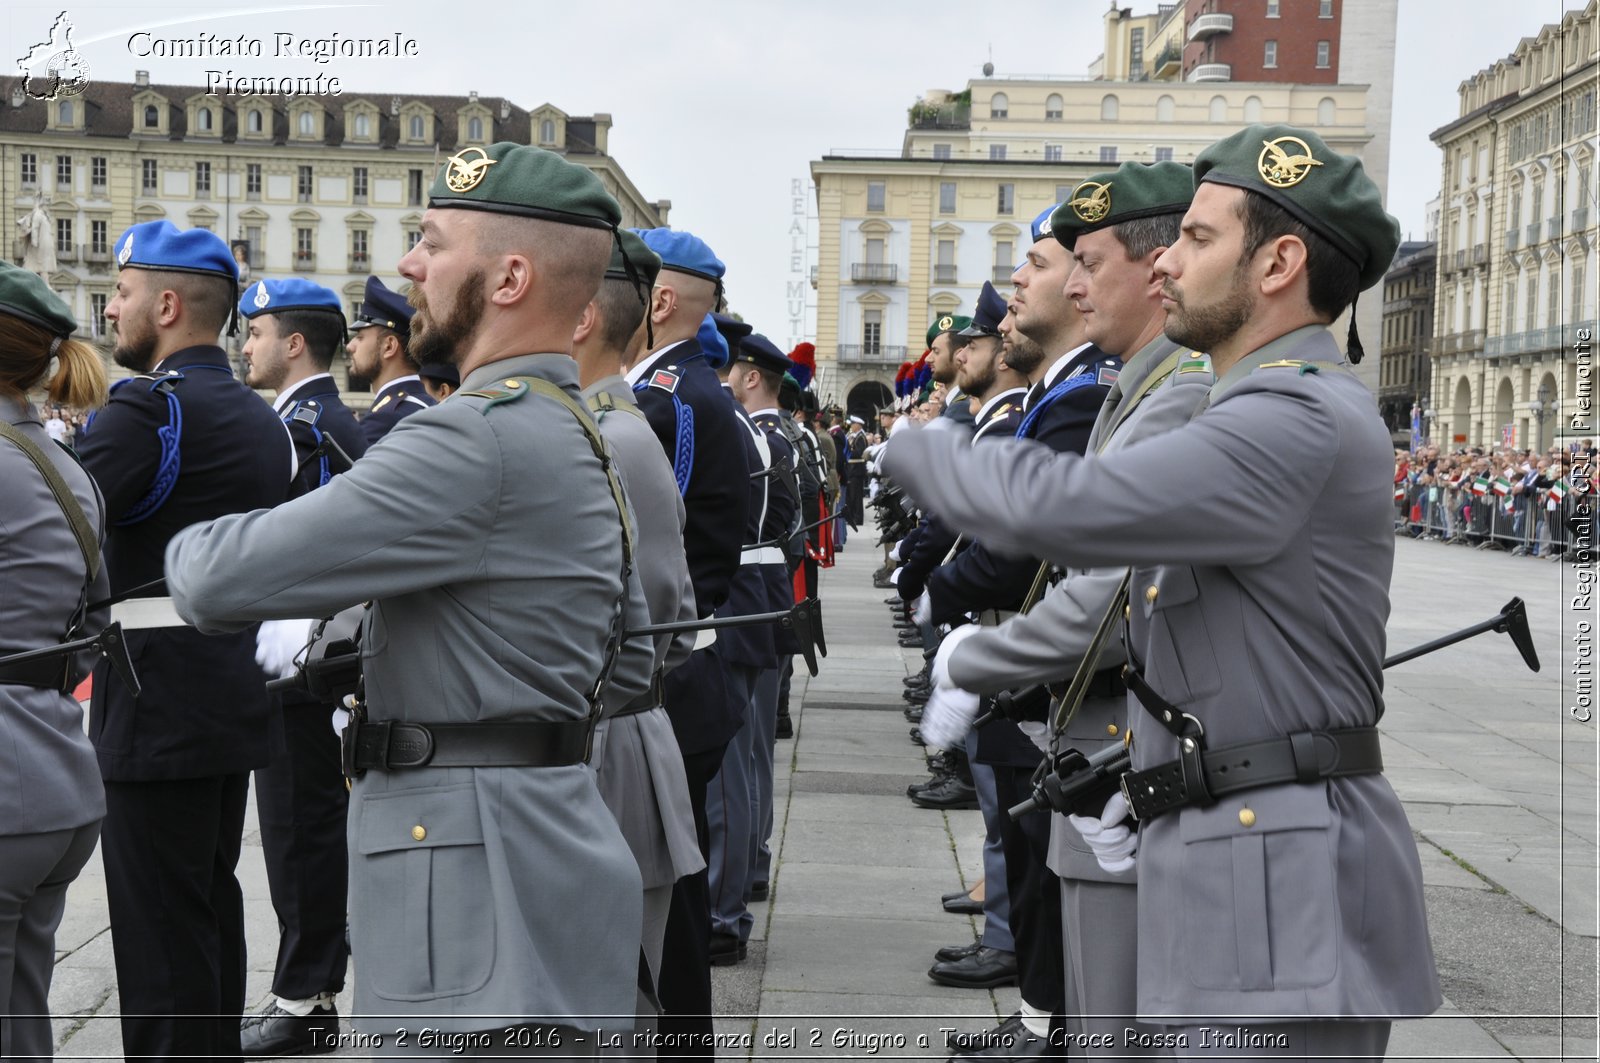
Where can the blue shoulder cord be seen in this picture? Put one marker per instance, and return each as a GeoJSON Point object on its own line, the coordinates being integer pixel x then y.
{"type": "Point", "coordinates": [314, 415]}
{"type": "Point", "coordinates": [170, 435]}
{"type": "Point", "coordinates": [683, 455]}
{"type": "Point", "coordinates": [1072, 383]}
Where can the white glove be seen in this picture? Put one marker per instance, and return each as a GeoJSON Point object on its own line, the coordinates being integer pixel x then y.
{"type": "Point", "coordinates": [341, 720]}
{"type": "Point", "coordinates": [948, 716]}
{"type": "Point", "coordinates": [1112, 843]}
{"type": "Point", "coordinates": [277, 644]}
{"type": "Point", "coordinates": [894, 551]}
{"type": "Point", "coordinates": [1038, 733]}
{"type": "Point", "coordinates": [940, 672]}
{"type": "Point", "coordinates": [922, 611]}
{"type": "Point", "coordinates": [894, 577]}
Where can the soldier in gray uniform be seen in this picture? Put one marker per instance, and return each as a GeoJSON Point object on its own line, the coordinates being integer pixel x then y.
{"type": "Point", "coordinates": [635, 752]}
{"type": "Point", "coordinates": [1118, 294]}
{"type": "Point", "coordinates": [51, 798]}
{"type": "Point", "coordinates": [487, 877]}
{"type": "Point", "coordinates": [1280, 906]}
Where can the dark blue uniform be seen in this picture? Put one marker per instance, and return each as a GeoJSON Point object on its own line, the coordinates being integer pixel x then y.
{"type": "Point", "coordinates": [395, 400]}
{"type": "Point", "coordinates": [176, 758]}
{"type": "Point", "coordinates": [301, 800]}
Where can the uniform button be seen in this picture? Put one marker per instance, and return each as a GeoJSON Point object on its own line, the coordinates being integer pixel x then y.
{"type": "Point", "coordinates": [1127, 612]}
{"type": "Point", "coordinates": [419, 832]}
{"type": "Point", "coordinates": [513, 385]}
{"type": "Point", "coordinates": [1247, 818]}
{"type": "Point", "coordinates": [1111, 729]}
{"type": "Point", "coordinates": [1150, 593]}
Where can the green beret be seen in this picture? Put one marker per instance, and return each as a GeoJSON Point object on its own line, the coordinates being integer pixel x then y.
{"type": "Point", "coordinates": [1328, 192]}
{"type": "Point", "coordinates": [518, 179]}
{"type": "Point", "coordinates": [646, 263]}
{"type": "Point", "coordinates": [1133, 190]}
{"type": "Point", "coordinates": [947, 323]}
{"type": "Point", "coordinates": [26, 296]}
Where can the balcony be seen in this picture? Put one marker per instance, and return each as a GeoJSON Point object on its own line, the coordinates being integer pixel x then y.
{"type": "Point", "coordinates": [360, 263]}
{"type": "Point", "coordinates": [1580, 219]}
{"type": "Point", "coordinates": [66, 252]}
{"type": "Point", "coordinates": [1461, 259]}
{"type": "Point", "coordinates": [1002, 273]}
{"type": "Point", "coordinates": [1553, 228]}
{"type": "Point", "coordinates": [1169, 64]}
{"type": "Point", "coordinates": [941, 116]}
{"type": "Point", "coordinates": [1210, 25]}
{"type": "Point", "coordinates": [1532, 341]}
{"type": "Point", "coordinates": [305, 261]}
{"type": "Point", "coordinates": [874, 272]}
{"type": "Point", "coordinates": [1460, 342]}
{"type": "Point", "coordinates": [1211, 72]}
{"type": "Point", "coordinates": [1512, 239]}
{"type": "Point", "coordinates": [944, 273]}
{"type": "Point", "coordinates": [1480, 254]}
{"type": "Point", "coordinates": [871, 354]}
{"type": "Point", "coordinates": [1533, 233]}
{"type": "Point", "coordinates": [97, 256]}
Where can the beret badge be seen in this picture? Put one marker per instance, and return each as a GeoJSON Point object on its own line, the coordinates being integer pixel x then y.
{"type": "Point", "coordinates": [1279, 168]}
{"type": "Point", "coordinates": [1090, 201]}
{"type": "Point", "coordinates": [466, 169]}
{"type": "Point", "coordinates": [126, 252]}
{"type": "Point", "coordinates": [946, 322]}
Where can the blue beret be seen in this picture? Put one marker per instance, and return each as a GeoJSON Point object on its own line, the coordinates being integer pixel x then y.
{"type": "Point", "coordinates": [276, 297]}
{"type": "Point", "coordinates": [162, 245]}
{"type": "Point", "coordinates": [986, 318]}
{"type": "Point", "coordinates": [1041, 225]}
{"type": "Point", "coordinates": [684, 252]}
{"type": "Point", "coordinates": [380, 306]}
{"type": "Point", "coordinates": [712, 343]}
{"type": "Point", "coordinates": [762, 353]}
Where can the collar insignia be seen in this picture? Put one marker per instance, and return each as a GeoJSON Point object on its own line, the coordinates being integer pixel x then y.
{"type": "Point", "coordinates": [467, 169]}
{"type": "Point", "coordinates": [1279, 168]}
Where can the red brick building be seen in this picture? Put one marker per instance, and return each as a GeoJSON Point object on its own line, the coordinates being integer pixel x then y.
{"type": "Point", "coordinates": [1262, 40]}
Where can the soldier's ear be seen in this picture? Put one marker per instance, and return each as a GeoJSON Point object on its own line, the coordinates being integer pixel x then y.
{"type": "Point", "coordinates": [587, 322]}
{"type": "Point", "coordinates": [663, 301]}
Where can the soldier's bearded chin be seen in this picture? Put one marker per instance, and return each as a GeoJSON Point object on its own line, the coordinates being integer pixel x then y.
{"type": "Point", "coordinates": [136, 344]}
{"type": "Point", "coordinates": [441, 339]}
{"type": "Point", "coordinates": [1204, 328]}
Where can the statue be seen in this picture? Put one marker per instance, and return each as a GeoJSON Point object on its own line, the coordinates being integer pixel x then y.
{"type": "Point", "coordinates": [38, 240]}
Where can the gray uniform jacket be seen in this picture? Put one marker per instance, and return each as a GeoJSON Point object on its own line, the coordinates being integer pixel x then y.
{"type": "Point", "coordinates": [488, 541]}
{"type": "Point", "coordinates": [636, 756]}
{"type": "Point", "coordinates": [1045, 645]}
{"type": "Point", "coordinates": [1262, 544]}
{"type": "Point", "coordinates": [49, 778]}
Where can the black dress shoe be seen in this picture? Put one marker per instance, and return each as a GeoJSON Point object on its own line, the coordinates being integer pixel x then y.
{"type": "Point", "coordinates": [1023, 1044]}
{"type": "Point", "coordinates": [760, 891]}
{"type": "Point", "coordinates": [962, 904]}
{"type": "Point", "coordinates": [953, 794]}
{"type": "Point", "coordinates": [912, 643]}
{"type": "Point", "coordinates": [916, 737]}
{"type": "Point", "coordinates": [275, 1032]}
{"type": "Point", "coordinates": [927, 784]}
{"type": "Point", "coordinates": [785, 726]}
{"type": "Point", "coordinates": [914, 716]}
{"type": "Point", "coordinates": [1006, 1033]}
{"type": "Point", "coordinates": [727, 950]}
{"type": "Point", "coordinates": [951, 953]}
{"type": "Point", "coordinates": [920, 679]}
{"type": "Point", "coordinates": [985, 969]}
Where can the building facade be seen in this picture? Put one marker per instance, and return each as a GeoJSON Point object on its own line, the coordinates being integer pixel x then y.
{"type": "Point", "coordinates": [1516, 251]}
{"type": "Point", "coordinates": [1403, 377]}
{"type": "Point", "coordinates": [327, 188]}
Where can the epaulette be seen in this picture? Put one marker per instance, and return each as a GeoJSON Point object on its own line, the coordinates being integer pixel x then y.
{"type": "Point", "coordinates": [1197, 364]}
{"type": "Point", "coordinates": [382, 403]}
{"type": "Point", "coordinates": [508, 391]}
{"type": "Point", "coordinates": [306, 411]}
{"type": "Point", "coordinates": [1290, 363]}
{"type": "Point", "coordinates": [1107, 375]}
{"type": "Point", "coordinates": [665, 379]}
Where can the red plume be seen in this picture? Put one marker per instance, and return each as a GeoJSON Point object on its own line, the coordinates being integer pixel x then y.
{"type": "Point", "coordinates": [804, 357]}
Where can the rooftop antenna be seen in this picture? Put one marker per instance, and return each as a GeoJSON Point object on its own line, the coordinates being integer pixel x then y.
{"type": "Point", "coordinates": [988, 67]}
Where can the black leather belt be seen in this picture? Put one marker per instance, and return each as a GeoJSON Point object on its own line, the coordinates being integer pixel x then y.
{"type": "Point", "coordinates": [1304, 757]}
{"type": "Point", "coordinates": [49, 674]}
{"type": "Point", "coordinates": [394, 745]}
{"type": "Point", "coordinates": [1107, 683]}
{"type": "Point", "coordinates": [644, 702]}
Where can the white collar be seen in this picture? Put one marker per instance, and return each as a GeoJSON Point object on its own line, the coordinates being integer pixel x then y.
{"type": "Point", "coordinates": [284, 398]}
{"type": "Point", "coordinates": [989, 403]}
{"type": "Point", "coordinates": [1051, 378]}
{"type": "Point", "coordinates": [410, 379]}
{"type": "Point", "coordinates": [762, 413]}
{"type": "Point", "coordinates": [637, 371]}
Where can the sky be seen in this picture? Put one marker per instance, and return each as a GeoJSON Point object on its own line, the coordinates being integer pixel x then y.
{"type": "Point", "coordinates": [720, 105]}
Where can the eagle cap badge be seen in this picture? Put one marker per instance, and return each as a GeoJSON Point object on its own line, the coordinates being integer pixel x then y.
{"type": "Point", "coordinates": [1091, 202]}
{"type": "Point", "coordinates": [1279, 168]}
{"type": "Point", "coordinates": [947, 322]}
{"type": "Point", "coordinates": [466, 169]}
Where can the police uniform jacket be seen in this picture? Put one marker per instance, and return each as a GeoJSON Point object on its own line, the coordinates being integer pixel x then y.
{"type": "Point", "coordinates": [1045, 645]}
{"type": "Point", "coordinates": [204, 709]}
{"type": "Point", "coordinates": [636, 758]}
{"type": "Point", "coordinates": [753, 646]}
{"type": "Point", "coordinates": [398, 398]}
{"type": "Point", "coordinates": [48, 776]}
{"type": "Point", "coordinates": [1261, 626]}
{"type": "Point", "coordinates": [712, 474]}
{"type": "Point", "coordinates": [311, 409]}
{"type": "Point", "coordinates": [474, 892]}
{"type": "Point", "coordinates": [1065, 422]}
{"type": "Point", "coordinates": [781, 518]}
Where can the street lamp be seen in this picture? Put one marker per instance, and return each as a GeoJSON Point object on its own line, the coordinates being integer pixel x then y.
{"type": "Point", "coordinates": [1544, 406]}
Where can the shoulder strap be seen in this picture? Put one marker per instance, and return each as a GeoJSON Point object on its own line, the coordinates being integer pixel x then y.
{"type": "Point", "coordinates": [602, 403]}
{"type": "Point", "coordinates": [82, 530]}
{"type": "Point", "coordinates": [1077, 380]}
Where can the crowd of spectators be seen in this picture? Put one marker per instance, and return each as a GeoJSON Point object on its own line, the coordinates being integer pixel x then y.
{"type": "Point", "coordinates": [1522, 501]}
{"type": "Point", "coordinates": [62, 423]}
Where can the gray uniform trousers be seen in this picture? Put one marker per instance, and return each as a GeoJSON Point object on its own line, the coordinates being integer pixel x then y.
{"type": "Point", "coordinates": [996, 895]}
{"type": "Point", "coordinates": [1099, 908]}
{"type": "Point", "coordinates": [1311, 904]}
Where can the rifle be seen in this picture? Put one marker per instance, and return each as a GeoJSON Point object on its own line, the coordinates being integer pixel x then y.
{"type": "Point", "coordinates": [1078, 784]}
{"type": "Point", "coordinates": [109, 642]}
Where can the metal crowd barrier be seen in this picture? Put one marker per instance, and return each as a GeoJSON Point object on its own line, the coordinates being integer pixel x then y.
{"type": "Point", "coordinates": [1523, 525]}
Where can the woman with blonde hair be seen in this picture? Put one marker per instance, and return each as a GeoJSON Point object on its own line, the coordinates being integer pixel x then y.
{"type": "Point", "coordinates": [51, 528]}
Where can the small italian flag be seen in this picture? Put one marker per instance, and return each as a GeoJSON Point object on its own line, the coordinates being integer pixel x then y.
{"type": "Point", "coordinates": [1399, 492]}
{"type": "Point", "coordinates": [1480, 486]}
{"type": "Point", "coordinates": [1558, 491]}
{"type": "Point", "coordinates": [1502, 486]}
